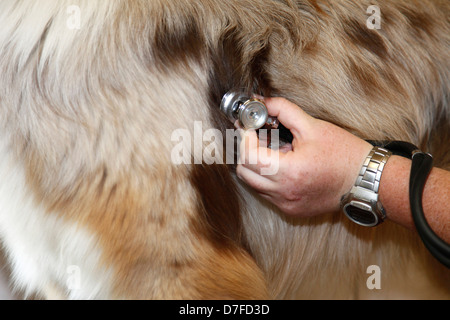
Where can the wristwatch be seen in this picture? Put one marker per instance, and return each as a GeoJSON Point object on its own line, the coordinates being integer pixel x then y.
{"type": "Point", "coordinates": [361, 205]}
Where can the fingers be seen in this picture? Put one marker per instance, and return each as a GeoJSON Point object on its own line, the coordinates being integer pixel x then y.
{"type": "Point", "coordinates": [259, 165]}
{"type": "Point", "coordinates": [260, 183]}
{"type": "Point", "coordinates": [266, 188]}
{"type": "Point", "coordinates": [255, 155]}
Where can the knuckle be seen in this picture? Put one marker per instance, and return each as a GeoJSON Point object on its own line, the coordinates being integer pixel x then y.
{"type": "Point", "coordinates": [291, 196]}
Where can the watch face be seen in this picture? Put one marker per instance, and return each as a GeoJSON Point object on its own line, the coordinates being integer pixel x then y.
{"type": "Point", "coordinates": [361, 216]}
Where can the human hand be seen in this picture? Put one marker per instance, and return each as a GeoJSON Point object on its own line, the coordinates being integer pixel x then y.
{"type": "Point", "coordinates": [320, 166]}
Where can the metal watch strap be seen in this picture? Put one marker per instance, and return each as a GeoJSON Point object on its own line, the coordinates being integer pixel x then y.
{"type": "Point", "coordinates": [370, 174]}
{"type": "Point", "coordinates": [361, 204]}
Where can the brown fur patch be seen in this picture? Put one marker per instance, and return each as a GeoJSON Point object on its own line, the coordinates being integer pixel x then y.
{"type": "Point", "coordinates": [177, 41]}
{"type": "Point", "coordinates": [368, 39]}
{"type": "Point", "coordinates": [218, 207]}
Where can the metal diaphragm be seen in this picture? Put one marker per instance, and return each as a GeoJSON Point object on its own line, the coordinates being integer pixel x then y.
{"type": "Point", "coordinates": [251, 113]}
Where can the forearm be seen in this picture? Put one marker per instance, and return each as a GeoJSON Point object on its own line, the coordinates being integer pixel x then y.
{"type": "Point", "coordinates": [394, 195]}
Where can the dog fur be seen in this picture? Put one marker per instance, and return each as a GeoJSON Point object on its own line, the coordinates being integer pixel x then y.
{"type": "Point", "coordinates": [86, 117]}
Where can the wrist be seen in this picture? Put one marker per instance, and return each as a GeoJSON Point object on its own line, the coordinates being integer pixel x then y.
{"type": "Point", "coordinates": [394, 191]}
{"type": "Point", "coordinates": [353, 166]}
{"type": "Point", "coordinates": [404, 187]}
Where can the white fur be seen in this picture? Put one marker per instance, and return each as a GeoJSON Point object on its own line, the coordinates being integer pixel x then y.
{"type": "Point", "coordinates": [43, 248]}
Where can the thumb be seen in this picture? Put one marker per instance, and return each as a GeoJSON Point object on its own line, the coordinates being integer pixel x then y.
{"type": "Point", "coordinates": [290, 115]}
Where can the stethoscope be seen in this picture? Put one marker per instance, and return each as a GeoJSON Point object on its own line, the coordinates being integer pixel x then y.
{"type": "Point", "coordinates": [251, 113]}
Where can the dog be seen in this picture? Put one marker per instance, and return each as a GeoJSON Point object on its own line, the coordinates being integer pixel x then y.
{"type": "Point", "coordinates": [92, 205]}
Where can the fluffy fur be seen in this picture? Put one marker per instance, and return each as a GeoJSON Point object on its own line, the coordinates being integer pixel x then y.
{"type": "Point", "coordinates": [86, 117]}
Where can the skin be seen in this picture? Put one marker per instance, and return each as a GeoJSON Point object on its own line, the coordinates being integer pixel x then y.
{"type": "Point", "coordinates": [322, 164]}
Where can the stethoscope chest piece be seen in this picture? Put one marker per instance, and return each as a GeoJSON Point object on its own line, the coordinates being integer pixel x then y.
{"type": "Point", "coordinates": [250, 112]}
